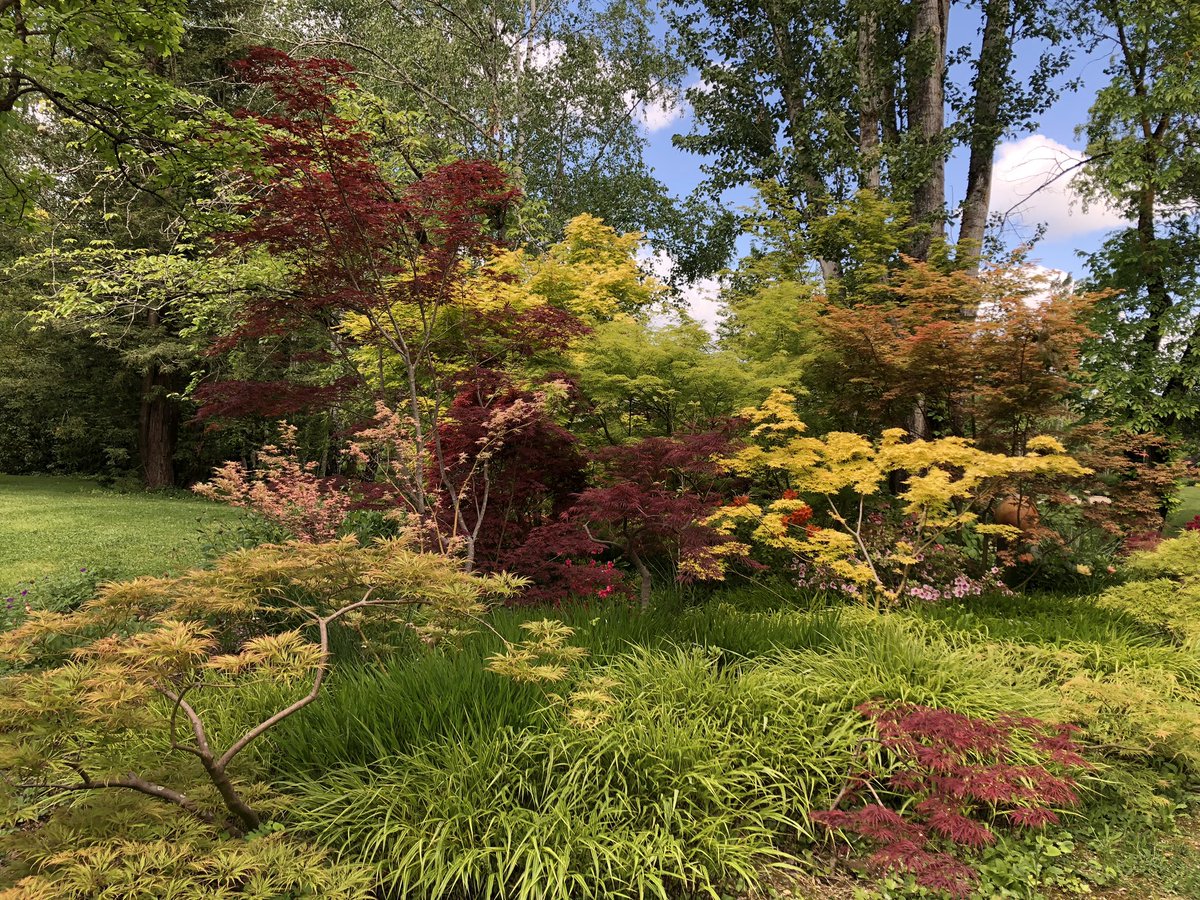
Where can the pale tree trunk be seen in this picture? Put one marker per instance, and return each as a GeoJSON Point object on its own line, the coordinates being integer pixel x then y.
{"type": "Point", "coordinates": [995, 57]}
{"type": "Point", "coordinates": [645, 579]}
{"type": "Point", "coordinates": [927, 117]}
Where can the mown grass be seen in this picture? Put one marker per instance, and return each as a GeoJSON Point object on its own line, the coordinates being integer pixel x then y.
{"type": "Point", "coordinates": [53, 525]}
{"type": "Point", "coordinates": [1188, 506]}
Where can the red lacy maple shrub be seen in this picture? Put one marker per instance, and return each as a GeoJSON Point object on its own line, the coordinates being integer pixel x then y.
{"type": "Point", "coordinates": [562, 563]}
{"type": "Point", "coordinates": [650, 500]}
{"type": "Point", "coordinates": [511, 467]}
{"type": "Point", "coordinates": [955, 779]}
{"type": "Point", "coordinates": [646, 506]}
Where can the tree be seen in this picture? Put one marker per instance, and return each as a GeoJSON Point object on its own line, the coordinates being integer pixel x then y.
{"type": "Point", "coordinates": [147, 308]}
{"type": "Point", "coordinates": [997, 378]}
{"type": "Point", "coordinates": [1143, 159]}
{"type": "Point", "coordinates": [839, 475]}
{"type": "Point", "coordinates": [283, 491]}
{"type": "Point", "coordinates": [643, 379]}
{"type": "Point", "coordinates": [649, 501]}
{"type": "Point", "coordinates": [144, 652]}
{"type": "Point", "coordinates": [411, 293]}
{"type": "Point", "coordinates": [822, 100]}
{"type": "Point", "coordinates": [88, 62]}
{"type": "Point", "coordinates": [552, 90]}
{"type": "Point", "coordinates": [114, 131]}
{"type": "Point", "coordinates": [378, 277]}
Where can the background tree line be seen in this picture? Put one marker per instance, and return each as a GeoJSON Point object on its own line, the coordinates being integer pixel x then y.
{"type": "Point", "coordinates": [841, 119]}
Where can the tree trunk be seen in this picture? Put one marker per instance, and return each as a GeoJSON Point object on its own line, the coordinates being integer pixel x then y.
{"type": "Point", "coordinates": [870, 101]}
{"type": "Point", "coordinates": [927, 117]}
{"type": "Point", "coordinates": [644, 575]}
{"type": "Point", "coordinates": [995, 57]}
{"type": "Point", "coordinates": [1158, 295]}
{"type": "Point", "coordinates": [158, 429]}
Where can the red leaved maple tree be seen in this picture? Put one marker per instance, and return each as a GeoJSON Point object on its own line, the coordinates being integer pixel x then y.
{"type": "Point", "coordinates": [954, 780]}
{"type": "Point", "coordinates": [647, 504]}
{"type": "Point", "coordinates": [380, 281]}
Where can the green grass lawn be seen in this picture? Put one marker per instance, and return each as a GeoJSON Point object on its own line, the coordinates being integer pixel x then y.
{"type": "Point", "coordinates": [1189, 506]}
{"type": "Point", "coordinates": [52, 525]}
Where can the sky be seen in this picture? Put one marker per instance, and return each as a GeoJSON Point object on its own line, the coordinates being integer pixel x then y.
{"type": "Point", "coordinates": [1024, 162]}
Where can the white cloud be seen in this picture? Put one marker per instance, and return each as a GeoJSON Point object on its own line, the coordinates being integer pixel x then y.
{"type": "Point", "coordinates": [658, 113]}
{"type": "Point", "coordinates": [701, 297]}
{"type": "Point", "coordinates": [1032, 184]}
{"type": "Point", "coordinates": [543, 55]}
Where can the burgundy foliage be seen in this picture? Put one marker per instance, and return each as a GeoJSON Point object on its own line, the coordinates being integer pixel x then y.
{"type": "Point", "coordinates": [962, 776]}
{"type": "Point", "coordinates": [532, 473]}
{"type": "Point", "coordinates": [358, 242]}
{"type": "Point", "coordinates": [645, 506]}
{"type": "Point", "coordinates": [235, 398]}
{"type": "Point", "coordinates": [563, 564]}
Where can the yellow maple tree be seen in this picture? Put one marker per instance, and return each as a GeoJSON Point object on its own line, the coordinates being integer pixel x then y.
{"type": "Point", "coordinates": [835, 475]}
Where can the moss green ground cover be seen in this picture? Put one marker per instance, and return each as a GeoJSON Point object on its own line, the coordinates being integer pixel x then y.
{"type": "Point", "coordinates": [50, 526]}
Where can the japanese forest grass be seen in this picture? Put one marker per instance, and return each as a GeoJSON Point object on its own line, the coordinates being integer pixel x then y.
{"type": "Point", "coordinates": [452, 784]}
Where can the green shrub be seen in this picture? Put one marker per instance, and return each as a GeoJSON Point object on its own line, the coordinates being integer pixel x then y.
{"type": "Point", "coordinates": [1177, 558]}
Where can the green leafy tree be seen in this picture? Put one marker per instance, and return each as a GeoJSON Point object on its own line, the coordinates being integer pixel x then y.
{"type": "Point", "coordinates": [552, 89]}
{"type": "Point", "coordinates": [1143, 159]}
{"type": "Point", "coordinates": [114, 128]}
{"type": "Point", "coordinates": [91, 71]}
{"type": "Point", "coordinates": [823, 99]}
{"type": "Point", "coordinates": [658, 379]}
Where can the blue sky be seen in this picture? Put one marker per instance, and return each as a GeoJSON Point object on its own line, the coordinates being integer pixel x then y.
{"type": "Point", "coordinates": [1024, 161]}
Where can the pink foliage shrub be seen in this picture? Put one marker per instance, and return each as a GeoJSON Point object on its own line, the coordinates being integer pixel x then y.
{"type": "Point", "coordinates": [283, 490]}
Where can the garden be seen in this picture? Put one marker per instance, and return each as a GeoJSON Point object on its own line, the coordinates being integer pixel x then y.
{"type": "Point", "coordinates": [385, 512]}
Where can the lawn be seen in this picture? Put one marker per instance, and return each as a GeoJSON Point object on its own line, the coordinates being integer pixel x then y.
{"type": "Point", "coordinates": [1189, 506]}
{"type": "Point", "coordinates": [54, 525]}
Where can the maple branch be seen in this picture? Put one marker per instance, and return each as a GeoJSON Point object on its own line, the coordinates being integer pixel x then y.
{"type": "Point", "coordinates": [130, 781]}
{"type": "Point", "coordinates": [178, 703]}
{"type": "Point", "coordinates": [322, 667]}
